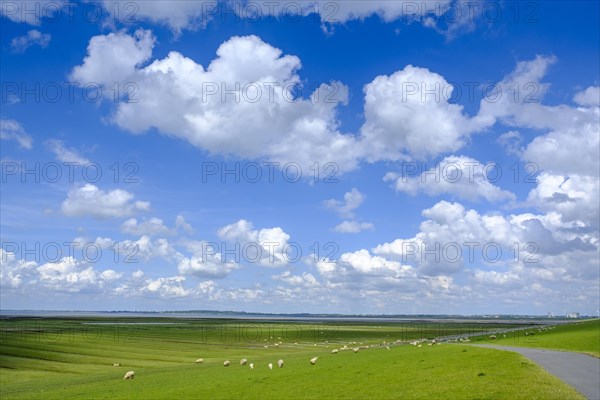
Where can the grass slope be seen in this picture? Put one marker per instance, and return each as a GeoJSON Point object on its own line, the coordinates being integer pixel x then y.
{"type": "Point", "coordinates": [582, 337]}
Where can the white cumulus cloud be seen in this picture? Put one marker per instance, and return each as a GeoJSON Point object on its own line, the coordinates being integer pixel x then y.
{"type": "Point", "coordinates": [92, 201]}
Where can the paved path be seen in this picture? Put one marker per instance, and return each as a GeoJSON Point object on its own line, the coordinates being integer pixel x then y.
{"type": "Point", "coordinates": [578, 370]}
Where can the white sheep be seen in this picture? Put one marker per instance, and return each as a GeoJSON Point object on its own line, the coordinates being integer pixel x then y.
{"type": "Point", "coordinates": [355, 349]}
{"type": "Point", "coordinates": [419, 345]}
{"type": "Point", "coordinates": [270, 366]}
{"type": "Point", "coordinates": [129, 375]}
{"type": "Point", "coordinates": [387, 347]}
{"type": "Point", "coordinates": [116, 365]}
{"type": "Point", "coordinates": [243, 361]}
{"type": "Point", "coordinates": [200, 361]}
{"type": "Point", "coordinates": [226, 363]}
{"type": "Point", "coordinates": [313, 360]}
{"type": "Point", "coordinates": [280, 363]}
{"type": "Point", "coordinates": [334, 351]}
{"type": "Point", "coordinates": [251, 366]}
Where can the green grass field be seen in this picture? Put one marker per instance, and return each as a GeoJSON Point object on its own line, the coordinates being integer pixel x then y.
{"type": "Point", "coordinates": [73, 358]}
{"type": "Point", "coordinates": [582, 337]}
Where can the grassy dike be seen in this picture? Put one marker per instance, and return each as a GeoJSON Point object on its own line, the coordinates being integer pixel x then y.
{"type": "Point", "coordinates": [73, 358]}
{"type": "Point", "coordinates": [580, 336]}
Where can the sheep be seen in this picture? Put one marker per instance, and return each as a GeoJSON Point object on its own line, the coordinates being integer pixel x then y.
{"type": "Point", "coordinates": [387, 347]}
{"type": "Point", "coordinates": [243, 361]}
{"type": "Point", "coordinates": [116, 365]}
{"type": "Point", "coordinates": [251, 366]}
{"type": "Point", "coordinates": [355, 349]}
{"type": "Point", "coordinates": [492, 337]}
{"type": "Point", "coordinates": [419, 345]}
{"type": "Point", "coordinates": [276, 344]}
{"type": "Point", "coordinates": [270, 366]}
{"type": "Point", "coordinates": [280, 363]}
{"type": "Point", "coordinates": [313, 360]}
{"type": "Point", "coordinates": [334, 351]}
{"type": "Point", "coordinates": [129, 375]}
{"type": "Point", "coordinates": [200, 361]}
{"type": "Point", "coordinates": [226, 363]}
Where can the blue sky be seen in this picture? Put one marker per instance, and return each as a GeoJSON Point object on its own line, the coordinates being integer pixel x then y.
{"type": "Point", "coordinates": [506, 94]}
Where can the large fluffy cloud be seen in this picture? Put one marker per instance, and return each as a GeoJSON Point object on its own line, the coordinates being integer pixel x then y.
{"type": "Point", "coordinates": [242, 103]}
{"type": "Point", "coordinates": [112, 58]}
{"type": "Point", "coordinates": [408, 115]}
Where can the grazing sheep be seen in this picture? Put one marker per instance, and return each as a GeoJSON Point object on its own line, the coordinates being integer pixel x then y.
{"type": "Point", "coordinates": [355, 349]}
{"type": "Point", "coordinates": [226, 363]}
{"type": "Point", "coordinates": [243, 361]}
{"type": "Point", "coordinates": [492, 337]}
{"type": "Point", "coordinates": [313, 360]}
{"type": "Point", "coordinates": [334, 351]}
{"type": "Point", "coordinates": [251, 366]}
{"type": "Point", "coordinates": [200, 361]}
{"type": "Point", "coordinates": [419, 345]}
{"type": "Point", "coordinates": [129, 375]}
{"type": "Point", "coordinates": [280, 363]}
{"type": "Point", "coordinates": [270, 366]}
{"type": "Point", "coordinates": [276, 344]}
{"type": "Point", "coordinates": [116, 365]}
{"type": "Point", "coordinates": [387, 347]}
{"type": "Point", "coordinates": [526, 334]}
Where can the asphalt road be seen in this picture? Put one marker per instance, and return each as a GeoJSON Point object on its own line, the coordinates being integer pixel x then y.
{"type": "Point", "coordinates": [578, 370]}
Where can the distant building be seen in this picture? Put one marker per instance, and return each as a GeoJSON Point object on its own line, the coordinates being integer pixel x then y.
{"type": "Point", "coordinates": [573, 315]}
{"type": "Point", "coordinates": [550, 315]}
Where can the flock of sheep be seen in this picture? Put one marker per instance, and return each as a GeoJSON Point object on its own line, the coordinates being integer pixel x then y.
{"type": "Point", "coordinates": [243, 362]}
